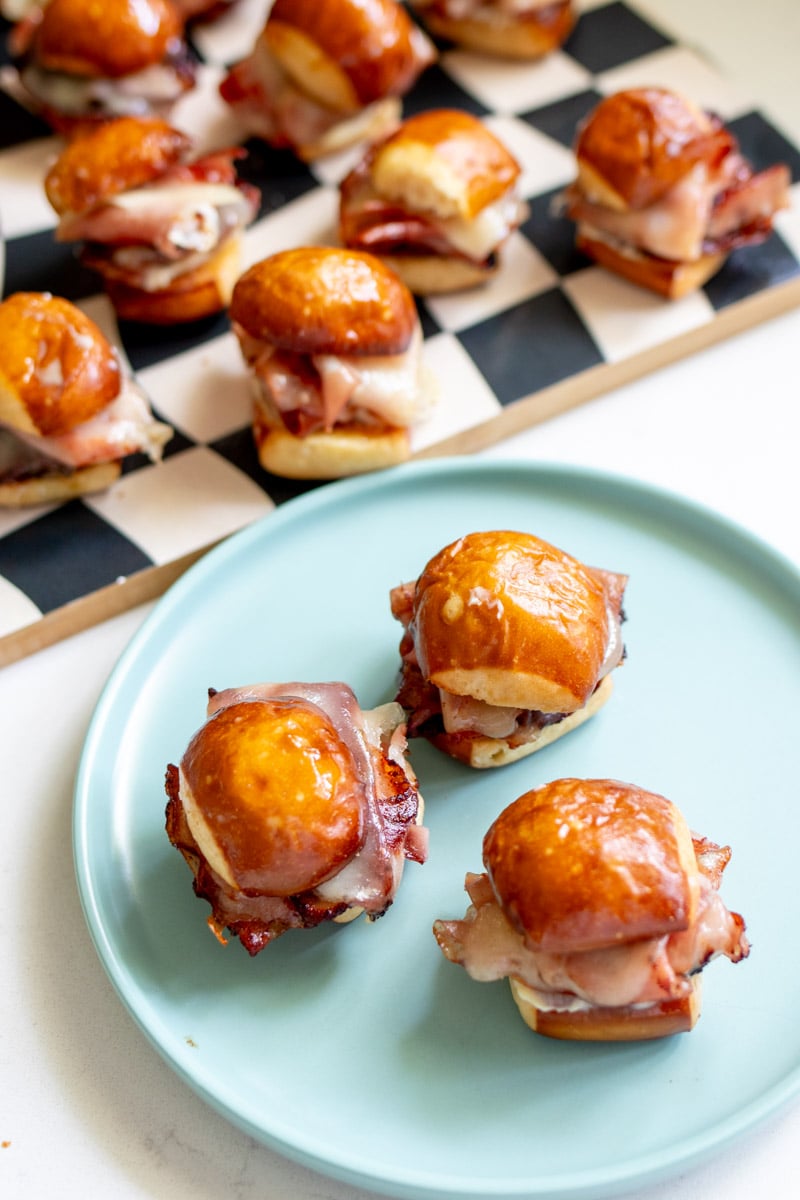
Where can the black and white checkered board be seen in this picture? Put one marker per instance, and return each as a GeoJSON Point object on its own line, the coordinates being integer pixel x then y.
{"type": "Point", "coordinates": [549, 321]}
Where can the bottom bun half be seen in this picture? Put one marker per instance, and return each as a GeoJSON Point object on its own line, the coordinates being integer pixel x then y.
{"type": "Point", "coordinates": [483, 752]}
{"type": "Point", "coordinates": [628, 1023]}
{"type": "Point", "coordinates": [335, 454]}
{"type": "Point", "coordinates": [58, 486]}
{"type": "Point", "coordinates": [670, 279]}
{"type": "Point", "coordinates": [192, 296]}
{"type": "Point", "coordinates": [438, 274]}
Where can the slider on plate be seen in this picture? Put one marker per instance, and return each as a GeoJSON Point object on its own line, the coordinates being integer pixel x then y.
{"type": "Point", "coordinates": [326, 74]}
{"type": "Point", "coordinates": [663, 194]}
{"type": "Point", "coordinates": [524, 29]}
{"type": "Point", "coordinates": [292, 807]}
{"type": "Point", "coordinates": [68, 412]}
{"type": "Point", "coordinates": [81, 62]}
{"type": "Point", "coordinates": [600, 908]}
{"type": "Point", "coordinates": [509, 643]}
{"type": "Point", "coordinates": [333, 340]}
{"type": "Point", "coordinates": [162, 228]}
{"type": "Point", "coordinates": [435, 200]}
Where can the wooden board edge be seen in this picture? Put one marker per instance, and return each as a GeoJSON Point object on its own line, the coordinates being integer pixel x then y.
{"type": "Point", "coordinates": [95, 608]}
{"type": "Point", "coordinates": [599, 381]}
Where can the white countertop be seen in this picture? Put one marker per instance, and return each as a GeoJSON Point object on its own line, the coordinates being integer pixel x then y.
{"type": "Point", "coordinates": [87, 1107]}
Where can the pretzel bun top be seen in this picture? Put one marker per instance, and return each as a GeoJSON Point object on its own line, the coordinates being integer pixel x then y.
{"type": "Point", "coordinates": [348, 53]}
{"type": "Point", "coordinates": [509, 619]}
{"type": "Point", "coordinates": [636, 145]}
{"type": "Point", "coordinates": [585, 864]}
{"type": "Point", "coordinates": [324, 300]}
{"type": "Point", "coordinates": [57, 370]}
{"type": "Point", "coordinates": [106, 38]}
{"type": "Point", "coordinates": [115, 157]}
{"type": "Point", "coordinates": [273, 799]}
{"type": "Point", "coordinates": [445, 161]}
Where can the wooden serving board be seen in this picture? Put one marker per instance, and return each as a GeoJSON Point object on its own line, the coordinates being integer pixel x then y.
{"type": "Point", "coordinates": [549, 332]}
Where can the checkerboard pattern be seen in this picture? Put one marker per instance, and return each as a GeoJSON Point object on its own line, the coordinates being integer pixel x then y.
{"type": "Point", "coordinates": [548, 316]}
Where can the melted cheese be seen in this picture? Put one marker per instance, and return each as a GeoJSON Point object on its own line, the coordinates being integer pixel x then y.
{"type": "Point", "coordinates": [393, 387]}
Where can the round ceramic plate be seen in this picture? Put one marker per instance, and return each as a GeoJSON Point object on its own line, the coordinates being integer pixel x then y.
{"type": "Point", "coordinates": [357, 1049]}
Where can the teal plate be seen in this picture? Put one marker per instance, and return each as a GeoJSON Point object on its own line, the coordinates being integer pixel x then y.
{"type": "Point", "coordinates": [357, 1050]}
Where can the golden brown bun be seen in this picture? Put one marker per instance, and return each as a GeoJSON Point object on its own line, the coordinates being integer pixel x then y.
{"type": "Point", "coordinates": [347, 53]}
{"type": "Point", "coordinates": [109, 39]}
{"type": "Point", "coordinates": [522, 35]}
{"type": "Point", "coordinates": [636, 145]}
{"type": "Point", "coordinates": [628, 1023]}
{"type": "Point", "coordinates": [57, 368]}
{"type": "Point", "coordinates": [324, 300]}
{"type": "Point", "coordinates": [58, 486]}
{"type": "Point", "coordinates": [549, 610]}
{"type": "Point", "coordinates": [443, 161]}
{"type": "Point", "coordinates": [584, 864]}
{"type": "Point", "coordinates": [483, 752]}
{"type": "Point", "coordinates": [335, 454]}
{"type": "Point", "coordinates": [244, 774]}
{"type": "Point", "coordinates": [661, 275]}
{"type": "Point", "coordinates": [190, 297]}
{"type": "Point", "coordinates": [438, 274]}
{"type": "Point", "coordinates": [115, 157]}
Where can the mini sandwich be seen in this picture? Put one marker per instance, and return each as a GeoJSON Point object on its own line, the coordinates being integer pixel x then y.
{"type": "Point", "coordinates": [435, 200]}
{"type": "Point", "coordinates": [81, 62]}
{"type": "Point", "coordinates": [663, 195]}
{"type": "Point", "coordinates": [326, 74]}
{"type": "Point", "coordinates": [334, 342]}
{"type": "Point", "coordinates": [524, 29]}
{"type": "Point", "coordinates": [163, 230]}
{"type": "Point", "coordinates": [292, 806]}
{"type": "Point", "coordinates": [600, 908]}
{"type": "Point", "coordinates": [509, 643]}
{"type": "Point", "coordinates": [68, 413]}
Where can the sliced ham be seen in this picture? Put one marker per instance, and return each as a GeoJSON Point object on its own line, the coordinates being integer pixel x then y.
{"type": "Point", "coordinates": [376, 743]}
{"type": "Point", "coordinates": [646, 971]}
{"type": "Point", "coordinates": [126, 426]}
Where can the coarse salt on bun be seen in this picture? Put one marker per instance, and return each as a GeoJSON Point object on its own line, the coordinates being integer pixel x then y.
{"type": "Point", "coordinates": [509, 643]}
{"type": "Point", "coordinates": [600, 907]}
{"type": "Point", "coordinates": [487, 27]}
{"type": "Point", "coordinates": [662, 194]}
{"type": "Point", "coordinates": [435, 199]}
{"type": "Point", "coordinates": [293, 806]}
{"type": "Point", "coordinates": [68, 414]}
{"type": "Point", "coordinates": [333, 338]}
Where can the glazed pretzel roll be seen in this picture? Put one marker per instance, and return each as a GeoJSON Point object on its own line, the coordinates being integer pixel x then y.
{"type": "Point", "coordinates": [435, 200]}
{"type": "Point", "coordinates": [81, 62]}
{"type": "Point", "coordinates": [662, 193]}
{"type": "Point", "coordinates": [326, 74]}
{"type": "Point", "coordinates": [516, 29]}
{"type": "Point", "coordinates": [509, 643]}
{"type": "Point", "coordinates": [292, 806]}
{"type": "Point", "coordinates": [68, 413]}
{"type": "Point", "coordinates": [600, 908]}
{"type": "Point", "coordinates": [163, 229]}
{"type": "Point", "coordinates": [333, 339]}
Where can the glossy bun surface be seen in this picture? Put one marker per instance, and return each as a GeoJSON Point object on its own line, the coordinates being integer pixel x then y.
{"type": "Point", "coordinates": [57, 368]}
{"type": "Point", "coordinates": [323, 300]}
{"type": "Point", "coordinates": [108, 38]}
{"type": "Point", "coordinates": [115, 157]}
{"type": "Point", "coordinates": [584, 864]}
{"type": "Point", "coordinates": [508, 618]}
{"type": "Point", "coordinates": [272, 785]}
{"type": "Point", "coordinates": [636, 145]}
